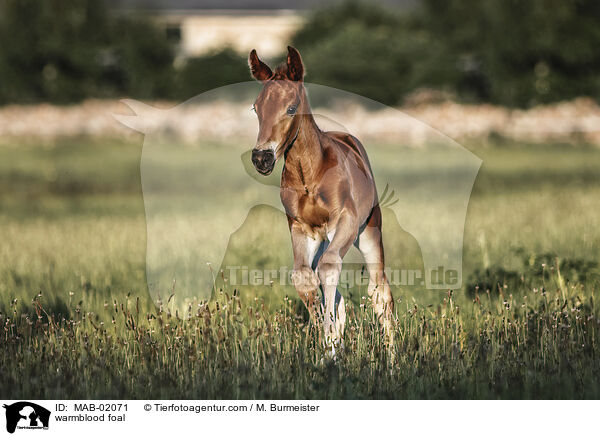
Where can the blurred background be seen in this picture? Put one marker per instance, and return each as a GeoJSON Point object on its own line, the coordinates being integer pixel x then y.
{"type": "Point", "coordinates": [467, 68]}
{"type": "Point", "coordinates": [512, 53]}
{"type": "Point", "coordinates": [516, 82]}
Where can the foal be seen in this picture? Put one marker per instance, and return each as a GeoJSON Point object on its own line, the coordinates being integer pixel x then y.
{"type": "Point", "coordinates": [327, 190]}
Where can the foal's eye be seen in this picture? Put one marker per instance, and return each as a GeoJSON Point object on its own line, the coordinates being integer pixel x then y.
{"type": "Point", "coordinates": [292, 110]}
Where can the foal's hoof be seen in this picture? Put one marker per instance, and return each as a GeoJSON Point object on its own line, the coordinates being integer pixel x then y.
{"type": "Point", "coordinates": [334, 347]}
{"type": "Point", "coordinates": [331, 355]}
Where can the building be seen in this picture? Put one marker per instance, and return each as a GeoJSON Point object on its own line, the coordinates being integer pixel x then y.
{"type": "Point", "coordinates": [201, 31]}
{"type": "Point", "coordinates": [201, 26]}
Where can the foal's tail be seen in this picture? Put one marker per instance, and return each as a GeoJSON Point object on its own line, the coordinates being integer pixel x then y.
{"type": "Point", "coordinates": [387, 198]}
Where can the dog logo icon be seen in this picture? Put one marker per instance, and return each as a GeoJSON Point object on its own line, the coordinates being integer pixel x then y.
{"type": "Point", "coordinates": [26, 415]}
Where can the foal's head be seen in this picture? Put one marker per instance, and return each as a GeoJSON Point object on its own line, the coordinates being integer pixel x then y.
{"type": "Point", "coordinates": [277, 107]}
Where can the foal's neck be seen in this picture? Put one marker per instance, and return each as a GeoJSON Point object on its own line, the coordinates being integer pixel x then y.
{"type": "Point", "coordinates": [305, 157]}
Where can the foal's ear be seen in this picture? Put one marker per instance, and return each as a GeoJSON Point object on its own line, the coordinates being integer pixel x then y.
{"type": "Point", "coordinates": [259, 69]}
{"type": "Point", "coordinates": [295, 69]}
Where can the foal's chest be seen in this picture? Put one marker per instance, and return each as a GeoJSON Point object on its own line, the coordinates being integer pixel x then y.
{"type": "Point", "coordinates": [307, 207]}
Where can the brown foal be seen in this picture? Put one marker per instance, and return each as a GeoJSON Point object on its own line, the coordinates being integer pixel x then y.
{"type": "Point", "coordinates": [327, 190]}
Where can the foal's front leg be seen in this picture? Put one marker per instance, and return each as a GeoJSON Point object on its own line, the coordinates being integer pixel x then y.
{"type": "Point", "coordinates": [329, 269]}
{"type": "Point", "coordinates": [304, 278]}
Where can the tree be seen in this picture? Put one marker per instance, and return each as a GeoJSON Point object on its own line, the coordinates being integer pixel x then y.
{"type": "Point", "coordinates": [511, 52]}
{"type": "Point", "coordinates": [66, 50]}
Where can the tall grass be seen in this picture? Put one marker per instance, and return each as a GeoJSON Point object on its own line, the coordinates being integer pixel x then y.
{"type": "Point", "coordinates": [77, 320]}
{"type": "Point", "coordinates": [540, 345]}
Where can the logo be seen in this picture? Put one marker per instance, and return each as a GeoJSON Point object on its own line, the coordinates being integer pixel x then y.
{"type": "Point", "coordinates": [26, 415]}
{"type": "Point", "coordinates": [245, 240]}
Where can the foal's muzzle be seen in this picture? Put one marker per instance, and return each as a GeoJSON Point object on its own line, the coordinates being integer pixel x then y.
{"type": "Point", "coordinates": [263, 160]}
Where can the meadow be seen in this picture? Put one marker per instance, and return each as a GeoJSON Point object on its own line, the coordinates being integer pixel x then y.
{"type": "Point", "coordinates": [78, 321]}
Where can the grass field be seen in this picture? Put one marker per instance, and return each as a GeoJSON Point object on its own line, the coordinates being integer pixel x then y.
{"type": "Point", "coordinates": [78, 322]}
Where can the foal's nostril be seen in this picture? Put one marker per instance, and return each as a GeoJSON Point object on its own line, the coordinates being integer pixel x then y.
{"type": "Point", "coordinates": [263, 159]}
{"type": "Point", "coordinates": [268, 158]}
{"type": "Point", "coordinates": [255, 157]}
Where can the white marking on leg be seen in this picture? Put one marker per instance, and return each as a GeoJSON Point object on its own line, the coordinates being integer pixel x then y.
{"type": "Point", "coordinates": [330, 235]}
{"type": "Point", "coordinates": [312, 246]}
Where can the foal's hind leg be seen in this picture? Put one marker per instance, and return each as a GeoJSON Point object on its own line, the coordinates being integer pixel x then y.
{"type": "Point", "coordinates": [370, 245]}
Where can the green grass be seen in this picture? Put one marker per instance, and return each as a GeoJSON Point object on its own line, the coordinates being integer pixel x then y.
{"type": "Point", "coordinates": [78, 321]}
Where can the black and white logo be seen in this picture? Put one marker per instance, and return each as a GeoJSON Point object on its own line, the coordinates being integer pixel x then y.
{"type": "Point", "coordinates": [26, 415]}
